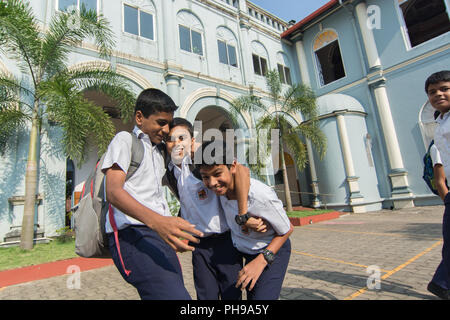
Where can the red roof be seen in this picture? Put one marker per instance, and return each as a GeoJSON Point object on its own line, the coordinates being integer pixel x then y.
{"type": "Point", "coordinates": [313, 15]}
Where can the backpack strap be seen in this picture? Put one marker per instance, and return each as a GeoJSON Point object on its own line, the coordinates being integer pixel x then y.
{"type": "Point", "coordinates": [137, 155]}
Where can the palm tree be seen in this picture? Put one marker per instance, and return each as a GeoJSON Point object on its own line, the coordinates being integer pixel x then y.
{"type": "Point", "coordinates": [297, 99]}
{"type": "Point", "coordinates": [55, 92]}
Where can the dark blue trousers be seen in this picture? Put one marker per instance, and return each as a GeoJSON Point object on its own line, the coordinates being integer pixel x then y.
{"type": "Point", "coordinates": [268, 286]}
{"type": "Point", "coordinates": [154, 265]}
{"type": "Point", "coordinates": [216, 265]}
{"type": "Point", "coordinates": [442, 275]}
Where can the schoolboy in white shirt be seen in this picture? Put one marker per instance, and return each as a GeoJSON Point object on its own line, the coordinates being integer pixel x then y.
{"type": "Point", "coordinates": [437, 87]}
{"type": "Point", "coordinates": [266, 254]}
{"type": "Point", "coordinates": [216, 263]}
{"type": "Point", "coordinates": [143, 236]}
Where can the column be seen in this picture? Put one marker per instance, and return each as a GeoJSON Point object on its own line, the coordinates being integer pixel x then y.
{"type": "Point", "coordinates": [248, 74]}
{"type": "Point", "coordinates": [398, 175]}
{"type": "Point", "coordinates": [173, 82]}
{"type": "Point", "coordinates": [367, 35]}
{"type": "Point", "coordinates": [302, 62]}
{"type": "Point", "coordinates": [356, 199]}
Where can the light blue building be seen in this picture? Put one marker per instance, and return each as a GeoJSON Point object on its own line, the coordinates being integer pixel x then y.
{"type": "Point", "coordinates": [364, 60]}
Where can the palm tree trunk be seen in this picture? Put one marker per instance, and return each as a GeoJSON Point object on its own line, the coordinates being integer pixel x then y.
{"type": "Point", "coordinates": [287, 190]}
{"type": "Point", "coordinates": [27, 235]}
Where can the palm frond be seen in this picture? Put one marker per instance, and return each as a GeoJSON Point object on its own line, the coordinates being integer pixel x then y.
{"type": "Point", "coordinates": [20, 35]}
{"type": "Point", "coordinates": [311, 131]}
{"type": "Point", "coordinates": [11, 119]}
{"type": "Point", "coordinates": [249, 103]}
{"type": "Point", "coordinates": [297, 148]}
{"type": "Point", "coordinates": [274, 85]}
{"type": "Point", "coordinates": [301, 99]}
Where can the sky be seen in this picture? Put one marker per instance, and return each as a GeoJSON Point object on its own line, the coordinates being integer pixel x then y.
{"type": "Point", "coordinates": [290, 9]}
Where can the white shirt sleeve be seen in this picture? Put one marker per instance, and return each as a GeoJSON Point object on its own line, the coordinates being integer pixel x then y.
{"type": "Point", "coordinates": [435, 155]}
{"type": "Point", "coordinates": [119, 152]}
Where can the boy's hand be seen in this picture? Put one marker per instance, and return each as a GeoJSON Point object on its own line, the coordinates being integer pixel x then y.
{"type": "Point", "coordinates": [251, 272]}
{"type": "Point", "coordinates": [171, 229]}
{"type": "Point", "coordinates": [255, 224]}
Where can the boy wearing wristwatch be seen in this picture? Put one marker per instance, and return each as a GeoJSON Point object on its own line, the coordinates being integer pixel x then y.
{"type": "Point", "coordinates": [266, 254]}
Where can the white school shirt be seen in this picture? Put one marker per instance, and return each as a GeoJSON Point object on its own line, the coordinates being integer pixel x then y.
{"type": "Point", "coordinates": [435, 155]}
{"type": "Point", "coordinates": [145, 184]}
{"type": "Point", "coordinates": [442, 141]}
{"type": "Point", "coordinates": [199, 205]}
{"type": "Point", "coordinates": [264, 203]}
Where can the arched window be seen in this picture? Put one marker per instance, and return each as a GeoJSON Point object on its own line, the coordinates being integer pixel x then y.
{"type": "Point", "coordinates": [424, 19]}
{"type": "Point", "coordinates": [259, 57]}
{"type": "Point", "coordinates": [227, 44]}
{"type": "Point", "coordinates": [328, 57]}
{"type": "Point", "coordinates": [284, 69]}
{"type": "Point", "coordinates": [191, 33]}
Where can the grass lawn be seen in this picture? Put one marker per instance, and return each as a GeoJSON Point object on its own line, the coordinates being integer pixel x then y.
{"type": "Point", "coordinates": [15, 257]}
{"type": "Point", "coordinates": [306, 213]}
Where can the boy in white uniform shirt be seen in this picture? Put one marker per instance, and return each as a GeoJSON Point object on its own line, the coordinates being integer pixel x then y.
{"type": "Point", "coordinates": [143, 236]}
{"type": "Point", "coordinates": [437, 87]}
{"type": "Point", "coordinates": [266, 254]}
{"type": "Point", "coordinates": [216, 263]}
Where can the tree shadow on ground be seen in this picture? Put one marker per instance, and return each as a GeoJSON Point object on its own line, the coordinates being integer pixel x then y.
{"type": "Point", "coordinates": [348, 280]}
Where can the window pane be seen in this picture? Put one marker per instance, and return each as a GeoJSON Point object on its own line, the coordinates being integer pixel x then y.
{"type": "Point", "coordinates": [88, 5]}
{"type": "Point", "coordinates": [64, 4]}
{"type": "Point", "coordinates": [256, 66]}
{"type": "Point", "coordinates": [146, 25]}
{"type": "Point", "coordinates": [232, 56]}
{"type": "Point", "coordinates": [425, 19]}
{"type": "Point", "coordinates": [223, 58]}
{"type": "Point", "coordinates": [281, 73]}
{"type": "Point", "coordinates": [330, 60]}
{"type": "Point", "coordinates": [197, 43]}
{"type": "Point", "coordinates": [263, 66]}
{"type": "Point", "coordinates": [287, 72]}
{"type": "Point", "coordinates": [185, 39]}
{"type": "Point", "coordinates": [130, 20]}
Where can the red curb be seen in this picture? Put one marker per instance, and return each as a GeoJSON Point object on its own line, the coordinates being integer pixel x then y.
{"type": "Point", "coordinates": [314, 219]}
{"type": "Point", "coordinates": [48, 270]}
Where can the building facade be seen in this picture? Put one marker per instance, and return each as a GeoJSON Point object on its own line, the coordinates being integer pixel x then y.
{"type": "Point", "coordinates": [365, 60]}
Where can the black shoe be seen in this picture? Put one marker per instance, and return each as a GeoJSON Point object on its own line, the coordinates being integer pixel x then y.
{"type": "Point", "coordinates": [438, 291]}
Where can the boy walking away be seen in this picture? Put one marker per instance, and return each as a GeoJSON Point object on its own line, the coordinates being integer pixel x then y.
{"type": "Point", "coordinates": [437, 87]}
{"type": "Point", "coordinates": [266, 254]}
{"type": "Point", "coordinates": [143, 236]}
{"type": "Point", "coordinates": [216, 263]}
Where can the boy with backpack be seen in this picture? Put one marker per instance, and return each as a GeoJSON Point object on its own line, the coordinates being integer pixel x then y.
{"type": "Point", "coordinates": [266, 254]}
{"type": "Point", "coordinates": [437, 88]}
{"type": "Point", "coordinates": [143, 236]}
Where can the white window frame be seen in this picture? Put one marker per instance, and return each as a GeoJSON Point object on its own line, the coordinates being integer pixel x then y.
{"type": "Point", "coordinates": [404, 28]}
{"type": "Point", "coordinates": [260, 64]}
{"type": "Point", "coordinates": [228, 56]}
{"type": "Point", "coordinates": [138, 36]}
{"type": "Point", "coordinates": [78, 6]}
{"type": "Point", "coordinates": [317, 65]}
{"type": "Point", "coordinates": [190, 38]}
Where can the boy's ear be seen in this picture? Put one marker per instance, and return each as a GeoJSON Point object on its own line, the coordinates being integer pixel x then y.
{"type": "Point", "coordinates": [138, 117]}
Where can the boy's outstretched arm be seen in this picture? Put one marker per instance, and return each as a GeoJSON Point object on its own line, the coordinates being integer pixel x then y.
{"type": "Point", "coordinates": [251, 272]}
{"type": "Point", "coordinates": [242, 186]}
{"type": "Point", "coordinates": [170, 229]}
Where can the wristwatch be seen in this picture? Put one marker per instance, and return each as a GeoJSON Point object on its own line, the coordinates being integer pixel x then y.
{"type": "Point", "coordinates": [268, 255]}
{"type": "Point", "coordinates": [242, 219]}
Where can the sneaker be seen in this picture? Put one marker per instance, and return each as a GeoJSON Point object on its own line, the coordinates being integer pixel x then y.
{"type": "Point", "coordinates": [438, 291]}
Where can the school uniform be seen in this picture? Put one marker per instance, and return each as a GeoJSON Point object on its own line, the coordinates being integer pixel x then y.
{"type": "Point", "coordinates": [264, 203]}
{"type": "Point", "coordinates": [216, 263]}
{"type": "Point", "coordinates": [442, 142]}
{"type": "Point", "coordinates": [139, 253]}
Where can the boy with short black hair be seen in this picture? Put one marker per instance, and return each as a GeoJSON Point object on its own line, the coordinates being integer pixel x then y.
{"type": "Point", "coordinates": [216, 262]}
{"type": "Point", "coordinates": [437, 88]}
{"type": "Point", "coordinates": [266, 254]}
{"type": "Point", "coordinates": [143, 236]}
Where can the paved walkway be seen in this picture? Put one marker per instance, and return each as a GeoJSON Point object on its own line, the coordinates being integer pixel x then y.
{"type": "Point", "coordinates": [329, 261]}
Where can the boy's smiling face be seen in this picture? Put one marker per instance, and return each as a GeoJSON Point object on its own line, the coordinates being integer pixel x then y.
{"type": "Point", "coordinates": [439, 96]}
{"type": "Point", "coordinates": [218, 178]}
{"type": "Point", "coordinates": [179, 143]}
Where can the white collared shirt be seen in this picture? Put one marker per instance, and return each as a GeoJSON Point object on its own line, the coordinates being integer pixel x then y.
{"type": "Point", "coordinates": [262, 202]}
{"type": "Point", "coordinates": [145, 185]}
{"type": "Point", "coordinates": [442, 141]}
{"type": "Point", "coordinates": [199, 205]}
